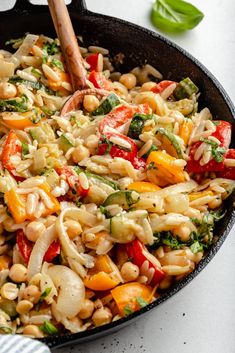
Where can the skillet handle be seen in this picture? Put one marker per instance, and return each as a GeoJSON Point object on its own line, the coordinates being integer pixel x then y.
{"type": "Point", "coordinates": [79, 5]}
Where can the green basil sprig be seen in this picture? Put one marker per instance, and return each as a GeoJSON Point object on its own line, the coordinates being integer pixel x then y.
{"type": "Point", "coordinates": [175, 15]}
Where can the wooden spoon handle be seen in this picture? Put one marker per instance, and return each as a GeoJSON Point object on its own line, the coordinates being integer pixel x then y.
{"type": "Point", "coordinates": [68, 42]}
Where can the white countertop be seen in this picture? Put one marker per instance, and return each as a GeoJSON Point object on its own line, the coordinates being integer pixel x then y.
{"type": "Point", "coordinates": [200, 319]}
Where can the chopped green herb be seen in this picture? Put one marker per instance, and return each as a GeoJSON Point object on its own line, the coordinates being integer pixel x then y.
{"type": "Point", "coordinates": [44, 294]}
{"type": "Point", "coordinates": [196, 247]}
{"type": "Point", "coordinates": [127, 310]}
{"type": "Point", "coordinates": [57, 63]}
{"type": "Point", "coordinates": [216, 123]}
{"type": "Point", "coordinates": [29, 84]}
{"type": "Point", "coordinates": [48, 328]}
{"type": "Point", "coordinates": [15, 105]}
{"type": "Point", "coordinates": [105, 212]}
{"type": "Point", "coordinates": [216, 150]}
{"type": "Point", "coordinates": [25, 149]}
{"type": "Point", "coordinates": [36, 72]}
{"type": "Point", "coordinates": [51, 48]}
{"type": "Point", "coordinates": [141, 302]}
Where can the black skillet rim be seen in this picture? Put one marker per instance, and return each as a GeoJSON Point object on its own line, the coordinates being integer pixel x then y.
{"type": "Point", "coordinates": [56, 341]}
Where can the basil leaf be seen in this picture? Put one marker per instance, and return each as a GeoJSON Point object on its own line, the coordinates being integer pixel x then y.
{"type": "Point", "coordinates": [48, 328]}
{"type": "Point", "coordinates": [175, 15]}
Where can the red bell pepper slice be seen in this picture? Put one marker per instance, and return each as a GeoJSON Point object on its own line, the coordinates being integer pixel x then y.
{"type": "Point", "coordinates": [116, 117]}
{"type": "Point", "coordinates": [121, 115]}
{"type": "Point", "coordinates": [223, 134]}
{"type": "Point", "coordinates": [228, 172]}
{"type": "Point", "coordinates": [26, 246]}
{"type": "Point", "coordinates": [194, 166]}
{"type": "Point", "coordinates": [99, 81]}
{"type": "Point", "coordinates": [12, 147]}
{"type": "Point", "coordinates": [138, 254]}
{"type": "Point", "coordinates": [73, 180]}
{"type": "Point", "coordinates": [52, 251]}
{"type": "Point", "coordinates": [92, 60]}
{"type": "Point", "coordinates": [138, 163]}
{"type": "Point", "coordinates": [116, 151]}
{"type": "Point", "coordinates": [161, 86]}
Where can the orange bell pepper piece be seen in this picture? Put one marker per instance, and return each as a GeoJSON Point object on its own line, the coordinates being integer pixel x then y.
{"type": "Point", "coordinates": [100, 282]}
{"type": "Point", "coordinates": [161, 170]}
{"type": "Point", "coordinates": [104, 275]}
{"type": "Point", "coordinates": [126, 296]}
{"type": "Point", "coordinates": [143, 186]}
{"type": "Point", "coordinates": [185, 130]}
{"type": "Point", "coordinates": [21, 120]}
{"type": "Point", "coordinates": [17, 204]}
{"type": "Point", "coordinates": [5, 262]}
{"type": "Point", "coordinates": [196, 195]}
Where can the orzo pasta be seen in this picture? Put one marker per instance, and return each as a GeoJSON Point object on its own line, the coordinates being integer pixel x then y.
{"type": "Point", "coordinates": [108, 196]}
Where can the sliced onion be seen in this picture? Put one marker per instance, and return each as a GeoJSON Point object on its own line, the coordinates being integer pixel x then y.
{"type": "Point", "coordinates": [71, 291]}
{"type": "Point", "coordinates": [39, 250]}
{"type": "Point", "coordinates": [68, 246]}
{"type": "Point", "coordinates": [24, 49]}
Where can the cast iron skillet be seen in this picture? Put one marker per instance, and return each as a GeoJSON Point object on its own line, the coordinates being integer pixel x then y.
{"type": "Point", "coordinates": [139, 46]}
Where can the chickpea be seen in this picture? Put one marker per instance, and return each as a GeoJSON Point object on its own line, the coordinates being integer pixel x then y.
{"type": "Point", "coordinates": [32, 330]}
{"type": "Point", "coordinates": [9, 291]}
{"type": "Point", "coordinates": [34, 230]}
{"type": "Point", "coordinates": [90, 102]}
{"type": "Point", "coordinates": [31, 293]}
{"type": "Point", "coordinates": [102, 316]}
{"type": "Point", "coordinates": [79, 153]}
{"type": "Point", "coordinates": [147, 86]}
{"type": "Point", "coordinates": [128, 80]}
{"type": "Point", "coordinates": [73, 228]}
{"type": "Point", "coordinates": [18, 273]}
{"type": "Point", "coordinates": [7, 90]}
{"type": "Point", "coordinates": [92, 141]}
{"type": "Point", "coordinates": [129, 272]}
{"type": "Point", "coordinates": [24, 306]}
{"type": "Point", "coordinates": [86, 309]}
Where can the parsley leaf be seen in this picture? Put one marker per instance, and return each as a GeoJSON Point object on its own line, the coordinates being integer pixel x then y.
{"type": "Point", "coordinates": [128, 310]}
{"type": "Point", "coordinates": [57, 63]}
{"type": "Point", "coordinates": [44, 294]}
{"type": "Point", "coordinates": [48, 328]}
{"type": "Point", "coordinates": [216, 150]}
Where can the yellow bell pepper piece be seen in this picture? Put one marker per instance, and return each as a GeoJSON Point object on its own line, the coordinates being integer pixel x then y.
{"type": "Point", "coordinates": [161, 170]}
{"type": "Point", "coordinates": [143, 186]}
{"type": "Point", "coordinates": [17, 204]}
{"type": "Point", "coordinates": [185, 130]}
{"type": "Point", "coordinates": [197, 195]}
{"type": "Point", "coordinates": [100, 282]}
{"type": "Point", "coordinates": [21, 120]}
{"type": "Point", "coordinates": [126, 294]}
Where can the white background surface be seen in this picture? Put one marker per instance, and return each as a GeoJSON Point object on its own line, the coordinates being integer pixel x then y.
{"type": "Point", "coordinates": [200, 319]}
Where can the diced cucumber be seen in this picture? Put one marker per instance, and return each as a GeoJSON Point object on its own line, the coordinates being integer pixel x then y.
{"type": "Point", "coordinates": [184, 106]}
{"type": "Point", "coordinates": [107, 105]}
{"type": "Point", "coordinates": [125, 199]}
{"type": "Point", "coordinates": [25, 149]}
{"type": "Point", "coordinates": [64, 143]}
{"type": "Point", "coordinates": [169, 143]}
{"type": "Point", "coordinates": [137, 125]}
{"type": "Point", "coordinates": [97, 179]}
{"type": "Point", "coordinates": [43, 133]}
{"type": "Point", "coordinates": [122, 227]}
{"type": "Point", "coordinates": [185, 89]}
{"type": "Point", "coordinates": [52, 177]}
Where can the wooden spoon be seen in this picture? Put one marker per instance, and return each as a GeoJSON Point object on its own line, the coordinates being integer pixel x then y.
{"type": "Point", "coordinates": [68, 43]}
